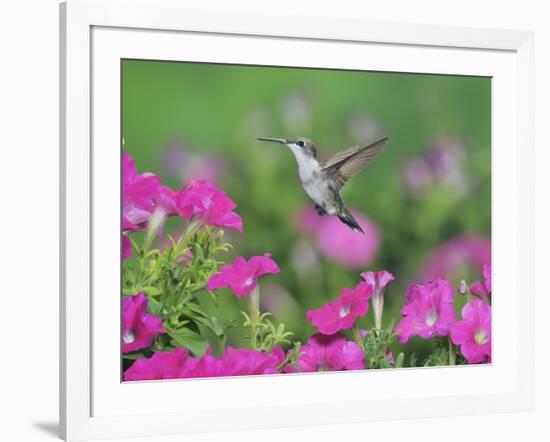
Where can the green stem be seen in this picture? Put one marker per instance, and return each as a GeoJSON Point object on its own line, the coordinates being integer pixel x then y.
{"type": "Point", "coordinates": [182, 243]}
{"type": "Point", "coordinates": [156, 220]}
{"type": "Point", "coordinates": [357, 337]}
{"type": "Point", "coordinates": [221, 344]}
{"type": "Point", "coordinates": [378, 307]}
{"type": "Point", "coordinates": [254, 309]}
{"type": "Point", "coordinates": [452, 352]}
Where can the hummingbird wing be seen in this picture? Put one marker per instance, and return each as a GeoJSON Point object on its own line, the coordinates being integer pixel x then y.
{"type": "Point", "coordinates": [343, 165]}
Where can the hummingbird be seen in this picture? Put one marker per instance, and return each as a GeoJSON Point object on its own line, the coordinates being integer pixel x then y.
{"type": "Point", "coordinates": [323, 180]}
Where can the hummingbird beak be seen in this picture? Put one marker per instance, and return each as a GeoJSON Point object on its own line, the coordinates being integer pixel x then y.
{"type": "Point", "coordinates": [273, 140]}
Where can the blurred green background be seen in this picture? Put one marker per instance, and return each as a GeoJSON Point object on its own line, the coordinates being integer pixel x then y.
{"type": "Point", "coordinates": [428, 193]}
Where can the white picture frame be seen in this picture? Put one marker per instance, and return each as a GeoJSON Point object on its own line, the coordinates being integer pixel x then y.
{"type": "Point", "coordinates": [95, 35]}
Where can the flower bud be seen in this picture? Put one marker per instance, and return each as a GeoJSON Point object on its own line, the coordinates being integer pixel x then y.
{"type": "Point", "coordinates": [463, 288]}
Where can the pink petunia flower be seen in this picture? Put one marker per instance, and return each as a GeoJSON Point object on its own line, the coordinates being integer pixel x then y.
{"type": "Point", "coordinates": [202, 200]}
{"type": "Point", "coordinates": [242, 276]}
{"type": "Point", "coordinates": [177, 364]}
{"type": "Point", "coordinates": [127, 227]}
{"type": "Point", "coordinates": [162, 365]}
{"type": "Point", "coordinates": [138, 192]}
{"type": "Point", "coordinates": [138, 327]}
{"type": "Point", "coordinates": [207, 366]}
{"type": "Point", "coordinates": [428, 312]}
{"type": "Point", "coordinates": [473, 332]}
{"type": "Point", "coordinates": [337, 242]}
{"type": "Point", "coordinates": [472, 251]}
{"type": "Point", "coordinates": [328, 353]}
{"type": "Point", "coordinates": [126, 247]}
{"type": "Point", "coordinates": [234, 362]}
{"type": "Point", "coordinates": [165, 200]}
{"type": "Point", "coordinates": [378, 282]}
{"type": "Point", "coordinates": [341, 313]}
{"type": "Point", "coordinates": [250, 362]}
{"type": "Point", "coordinates": [389, 358]}
{"type": "Point", "coordinates": [482, 289]}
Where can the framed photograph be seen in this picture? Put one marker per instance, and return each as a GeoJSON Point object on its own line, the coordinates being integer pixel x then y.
{"type": "Point", "coordinates": [320, 220]}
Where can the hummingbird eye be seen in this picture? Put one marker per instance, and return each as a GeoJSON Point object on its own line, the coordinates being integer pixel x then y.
{"type": "Point", "coordinates": [300, 143]}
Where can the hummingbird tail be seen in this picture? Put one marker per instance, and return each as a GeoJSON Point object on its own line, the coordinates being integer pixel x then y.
{"type": "Point", "coordinates": [347, 218]}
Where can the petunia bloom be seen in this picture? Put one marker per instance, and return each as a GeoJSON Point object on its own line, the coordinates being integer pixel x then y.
{"type": "Point", "coordinates": [204, 201]}
{"type": "Point", "coordinates": [341, 313]}
{"type": "Point", "coordinates": [337, 242]}
{"type": "Point", "coordinates": [378, 282]}
{"type": "Point", "coordinates": [177, 364]}
{"type": "Point", "coordinates": [328, 353]}
{"type": "Point", "coordinates": [483, 288]}
{"type": "Point", "coordinates": [428, 312]}
{"type": "Point", "coordinates": [162, 365]}
{"type": "Point", "coordinates": [165, 201]}
{"type": "Point", "coordinates": [126, 247]}
{"type": "Point", "coordinates": [242, 276]}
{"type": "Point", "coordinates": [473, 332]}
{"type": "Point", "coordinates": [138, 193]}
{"type": "Point", "coordinates": [127, 227]}
{"type": "Point", "coordinates": [242, 361]}
{"type": "Point", "coordinates": [138, 327]}
{"type": "Point", "coordinates": [234, 362]}
{"type": "Point", "coordinates": [207, 366]}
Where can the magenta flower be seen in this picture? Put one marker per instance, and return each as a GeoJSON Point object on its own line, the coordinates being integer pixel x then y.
{"type": "Point", "coordinates": [204, 201]}
{"type": "Point", "coordinates": [473, 332]}
{"type": "Point", "coordinates": [337, 242]}
{"type": "Point", "coordinates": [177, 364]}
{"type": "Point", "coordinates": [483, 288]}
{"type": "Point", "coordinates": [328, 353]}
{"type": "Point", "coordinates": [249, 362]}
{"type": "Point", "coordinates": [472, 251]}
{"type": "Point", "coordinates": [428, 312]}
{"type": "Point", "coordinates": [207, 366]}
{"type": "Point", "coordinates": [165, 200]}
{"type": "Point", "coordinates": [138, 327]}
{"type": "Point", "coordinates": [126, 247]}
{"type": "Point", "coordinates": [378, 281]}
{"type": "Point", "coordinates": [162, 365]}
{"type": "Point", "coordinates": [389, 358]}
{"type": "Point", "coordinates": [138, 192]}
{"type": "Point", "coordinates": [341, 313]}
{"type": "Point", "coordinates": [242, 276]}
{"type": "Point", "coordinates": [127, 227]}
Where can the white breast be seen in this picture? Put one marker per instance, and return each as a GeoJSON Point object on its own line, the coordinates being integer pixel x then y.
{"type": "Point", "coordinates": [310, 174]}
{"type": "Point", "coordinates": [307, 165]}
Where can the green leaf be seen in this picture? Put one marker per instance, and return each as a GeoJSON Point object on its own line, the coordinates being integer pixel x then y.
{"type": "Point", "coordinates": [152, 291]}
{"type": "Point", "coordinates": [134, 356]}
{"type": "Point", "coordinates": [189, 339]}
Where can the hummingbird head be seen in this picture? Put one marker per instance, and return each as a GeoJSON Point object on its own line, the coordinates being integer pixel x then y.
{"type": "Point", "coordinates": [301, 146]}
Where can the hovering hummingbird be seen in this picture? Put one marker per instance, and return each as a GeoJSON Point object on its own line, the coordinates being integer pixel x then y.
{"type": "Point", "coordinates": [322, 181]}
